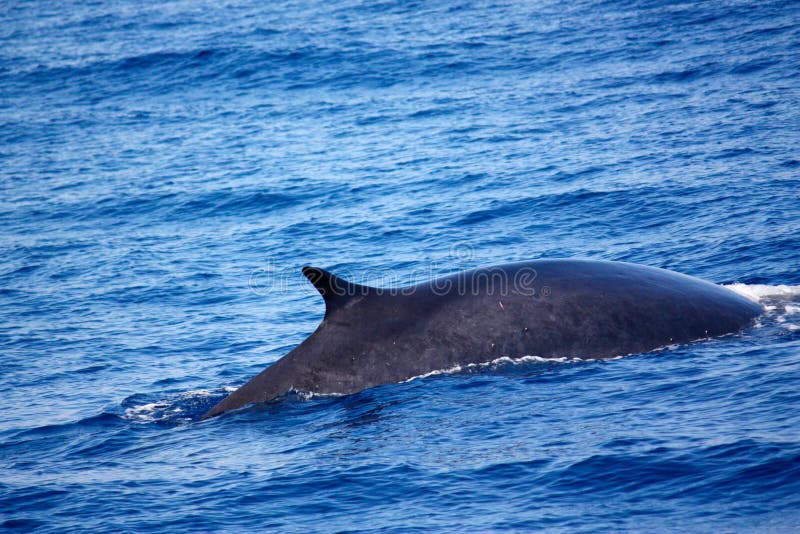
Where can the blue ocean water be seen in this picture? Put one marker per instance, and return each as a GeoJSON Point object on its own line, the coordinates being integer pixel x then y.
{"type": "Point", "coordinates": [166, 169]}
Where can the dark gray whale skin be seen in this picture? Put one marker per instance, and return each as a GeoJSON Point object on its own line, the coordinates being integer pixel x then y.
{"type": "Point", "coordinates": [547, 308]}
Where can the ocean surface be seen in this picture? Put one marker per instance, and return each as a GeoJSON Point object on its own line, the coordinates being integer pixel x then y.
{"type": "Point", "coordinates": [166, 169]}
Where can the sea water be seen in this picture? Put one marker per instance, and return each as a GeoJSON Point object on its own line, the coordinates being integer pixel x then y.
{"type": "Point", "coordinates": [167, 168]}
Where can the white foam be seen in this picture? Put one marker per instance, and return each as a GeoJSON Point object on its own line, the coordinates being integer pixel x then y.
{"type": "Point", "coordinates": [146, 413]}
{"type": "Point", "coordinates": [760, 292]}
{"type": "Point", "coordinates": [146, 408]}
{"type": "Point", "coordinates": [781, 303]}
{"type": "Point", "coordinates": [167, 409]}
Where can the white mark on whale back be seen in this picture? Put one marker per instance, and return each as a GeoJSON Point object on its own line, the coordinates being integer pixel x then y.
{"type": "Point", "coordinates": [496, 361]}
{"type": "Point", "coordinates": [308, 395]}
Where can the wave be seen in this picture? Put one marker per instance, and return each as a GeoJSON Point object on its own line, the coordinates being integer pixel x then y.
{"type": "Point", "coordinates": [723, 470]}
{"type": "Point", "coordinates": [168, 206]}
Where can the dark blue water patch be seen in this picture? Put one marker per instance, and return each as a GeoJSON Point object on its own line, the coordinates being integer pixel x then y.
{"type": "Point", "coordinates": [687, 74]}
{"type": "Point", "coordinates": [167, 205]}
{"type": "Point", "coordinates": [223, 204]}
{"type": "Point", "coordinates": [609, 474]}
{"type": "Point", "coordinates": [154, 159]}
{"type": "Point", "coordinates": [159, 62]}
{"type": "Point", "coordinates": [175, 60]}
{"type": "Point", "coordinates": [18, 446]}
{"type": "Point", "coordinates": [22, 524]}
{"type": "Point", "coordinates": [753, 66]}
{"type": "Point", "coordinates": [596, 200]}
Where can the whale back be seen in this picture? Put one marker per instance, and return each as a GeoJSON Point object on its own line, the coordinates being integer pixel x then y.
{"type": "Point", "coordinates": [545, 308]}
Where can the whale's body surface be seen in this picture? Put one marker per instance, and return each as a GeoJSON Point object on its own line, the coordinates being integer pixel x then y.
{"type": "Point", "coordinates": [545, 308]}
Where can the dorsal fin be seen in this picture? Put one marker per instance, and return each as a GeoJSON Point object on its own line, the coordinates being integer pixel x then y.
{"type": "Point", "coordinates": [335, 291]}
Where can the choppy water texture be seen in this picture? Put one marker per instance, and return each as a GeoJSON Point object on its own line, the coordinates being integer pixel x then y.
{"type": "Point", "coordinates": [166, 170]}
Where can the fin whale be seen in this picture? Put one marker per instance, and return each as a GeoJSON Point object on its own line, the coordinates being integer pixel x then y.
{"type": "Point", "coordinates": [545, 308]}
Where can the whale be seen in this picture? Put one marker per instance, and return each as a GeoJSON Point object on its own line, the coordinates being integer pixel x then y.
{"type": "Point", "coordinates": [550, 308]}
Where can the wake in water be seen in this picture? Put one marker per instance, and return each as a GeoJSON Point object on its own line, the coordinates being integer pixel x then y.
{"type": "Point", "coordinates": [781, 302]}
{"type": "Point", "coordinates": [765, 293]}
{"type": "Point", "coordinates": [174, 408]}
